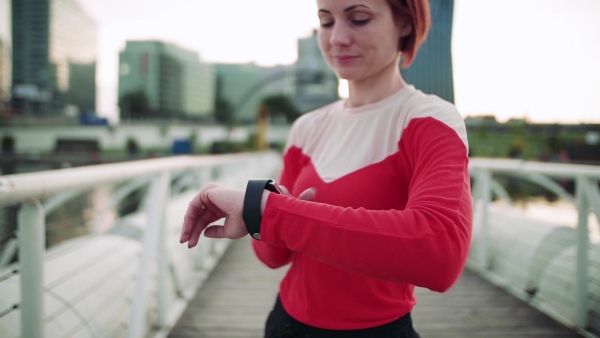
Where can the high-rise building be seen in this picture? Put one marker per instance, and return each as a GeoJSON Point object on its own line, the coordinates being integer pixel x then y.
{"type": "Point", "coordinates": [431, 70]}
{"type": "Point", "coordinates": [54, 57]}
{"type": "Point", "coordinates": [316, 83]}
{"type": "Point", "coordinates": [5, 63]}
{"type": "Point", "coordinates": [4, 72]}
{"type": "Point", "coordinates": [172, 79]}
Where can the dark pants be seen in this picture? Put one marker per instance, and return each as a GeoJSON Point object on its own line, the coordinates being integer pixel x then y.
{"type": "Point", "coordinates": [281, 325]}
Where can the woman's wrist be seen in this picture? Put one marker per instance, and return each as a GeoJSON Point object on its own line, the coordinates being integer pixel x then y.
{"type": "Point", "coordinates": [255, 201]}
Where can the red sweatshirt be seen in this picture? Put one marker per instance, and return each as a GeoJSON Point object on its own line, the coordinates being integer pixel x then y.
{"type": "Point", "coordinates": [393, 210]}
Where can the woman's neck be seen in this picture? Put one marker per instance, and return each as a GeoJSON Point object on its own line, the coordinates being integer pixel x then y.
{"type": "Point", "coordinates": [375, 88]}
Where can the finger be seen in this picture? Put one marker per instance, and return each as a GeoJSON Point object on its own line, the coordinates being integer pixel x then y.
{"type": "Point", "coordinates": [228, 230]}
{"type": "Point", "coordinates": [196, 208]}
{"type": "Point", "coordinates": [189, 221]}
{"type": "Point", "coordinates": [193, 212]}
{"type": "Point", "coordinates": [207, 217]}
{"type": "Point", "coordinates": [213, 199]}
{"type": "Point", "coordinates": [228, 201]}
{"type": "Point", "coordinates": [187, 228]}
{"type": "Point", "coordinates": [215, 231]}
{"type": "Point", "coordinates": [285, 190]}
{"type": "Point", "coordinates": [195, 236]}
{"type": "Point", "coordinates": [308, 194]}
{"type": "Point", "coordinates": [206, 201]}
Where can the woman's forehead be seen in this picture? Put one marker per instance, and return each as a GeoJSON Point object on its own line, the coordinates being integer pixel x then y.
{"type": "Point", "coordinates": [344, 4]}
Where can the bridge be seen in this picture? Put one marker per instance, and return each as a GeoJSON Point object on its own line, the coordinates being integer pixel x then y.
{"type": "Point", "coordinates": [124, 273]}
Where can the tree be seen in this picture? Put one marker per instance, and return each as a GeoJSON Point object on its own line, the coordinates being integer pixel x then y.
{"type": "Point", "coordinates": [8, 144]}
{"type": "Point", "coordinates": [282, 104]}
{"type": "Point", "coordinates": [223, 111]}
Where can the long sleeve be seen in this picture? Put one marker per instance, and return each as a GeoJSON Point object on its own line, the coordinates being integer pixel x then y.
{"type": "Point", "coordinates": [393, 210]}
{"type": "Point", "coordinates": [425, 244]}
{"type": "Point", "coordinates": [277, 256]}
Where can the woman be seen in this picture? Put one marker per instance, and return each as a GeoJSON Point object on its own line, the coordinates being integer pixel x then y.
{"type": "Point", "coordinates": [384, 197]}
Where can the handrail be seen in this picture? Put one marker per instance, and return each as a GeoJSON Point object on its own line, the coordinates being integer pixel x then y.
{"type": "Point", "coordinates": [23, 187]}
{"type": "Point", "coordinates": [513, 166]}
{"type": "Point", "coordinates": [154, 271]}
{"type": "Point", "coordinates": [586, 199]}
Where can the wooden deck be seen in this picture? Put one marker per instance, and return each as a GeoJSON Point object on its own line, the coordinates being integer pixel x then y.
{"type": "Point", "coordinates": [235, 300]}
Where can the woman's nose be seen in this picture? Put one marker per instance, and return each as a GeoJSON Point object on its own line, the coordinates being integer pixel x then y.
{"type": "Point", "coordinates": [340, 35]}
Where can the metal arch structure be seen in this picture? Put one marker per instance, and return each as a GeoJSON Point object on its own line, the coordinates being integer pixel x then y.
{"type": "Point", "coordinates": [278, 76]}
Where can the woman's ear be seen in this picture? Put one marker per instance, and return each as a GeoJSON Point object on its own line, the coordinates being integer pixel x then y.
{"type": "Point", "coordinates": [406, 30]}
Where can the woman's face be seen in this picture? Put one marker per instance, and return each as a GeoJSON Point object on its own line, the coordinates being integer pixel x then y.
{"type": "Point", "coordinates": [358, 38]}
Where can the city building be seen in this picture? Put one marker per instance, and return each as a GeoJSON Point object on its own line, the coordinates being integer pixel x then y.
{"type": "Point", "coordinates": [316, 83]}
{"type": "Point", "coordinates": [53, 58]}
{"type": "Point", "coordinates": [4, 72]}
{"type": "Point", "coordinates": [173, 81]}
{"type": "Point", "coordinates": [431, 71]}
{"type": "Point", "coordinates": [242, 87]}
{"type": "Point", "coordinates": [5, 64]}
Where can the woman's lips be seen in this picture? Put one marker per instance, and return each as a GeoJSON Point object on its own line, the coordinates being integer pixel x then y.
{"type": "Point", "coordinates": [344, 59]}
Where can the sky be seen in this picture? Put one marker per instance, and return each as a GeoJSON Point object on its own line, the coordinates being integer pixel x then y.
{"type": "Point", "coordinates": [533, 59]}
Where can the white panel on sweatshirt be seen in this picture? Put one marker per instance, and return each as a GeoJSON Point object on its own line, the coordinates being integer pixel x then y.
{"type": "Point", "coordinates": [341, 140]}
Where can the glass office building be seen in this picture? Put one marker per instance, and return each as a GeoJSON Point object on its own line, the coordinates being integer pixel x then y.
{"type": "Point", "coordinates": [54, 58]}
{"type": "Point", "coordinates": [431, 71]}
{"type": "Point", "coordinates": [172, 79]}
{"type": "Point", "coordinates": [4, 72]}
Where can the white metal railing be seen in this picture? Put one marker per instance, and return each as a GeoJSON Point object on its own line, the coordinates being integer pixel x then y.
{"type": "Point", "coordinates": [163, 286]}
{"type": "Point", "coordinates": [495, 235]}
{"type": "Point", "coordinates": [166, 274]}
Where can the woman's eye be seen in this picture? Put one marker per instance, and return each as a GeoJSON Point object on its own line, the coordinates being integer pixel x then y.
{"type": "Point", "coordinates": [360, 22]}
{"type": "Point", "coordinates": [326, 23]}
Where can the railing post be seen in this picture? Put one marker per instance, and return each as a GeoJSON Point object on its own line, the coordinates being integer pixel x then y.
{"type": "Point", "coordinates": [162, 261]}
{"type": "Point", "coordinates": [158, 198]}
{"type": "Point", "coordinates": [583, 242]}
{"type": "Point", "coordinates": [32, 238]}
{"type": "Point", "coordinates": [485, 193]}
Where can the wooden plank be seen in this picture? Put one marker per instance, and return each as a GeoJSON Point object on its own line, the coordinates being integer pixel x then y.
{"type": "Point", "coordinates": [236, 299]}
{"type": "Point", "coordinates": [473, 307]}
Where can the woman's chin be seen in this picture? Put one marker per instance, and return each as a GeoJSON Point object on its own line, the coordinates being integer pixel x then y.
{"type": "Point", "coordinates": [346, 75]}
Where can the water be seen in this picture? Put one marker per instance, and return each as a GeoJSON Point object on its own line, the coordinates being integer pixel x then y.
{"type": "Point", "coordinates": [88, 212]}
{"type": "Point", "coordinates": [559, 213]}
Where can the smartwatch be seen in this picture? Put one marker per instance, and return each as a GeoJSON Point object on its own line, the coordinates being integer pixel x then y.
{"type": "Point", "coordinates": [251, 212]}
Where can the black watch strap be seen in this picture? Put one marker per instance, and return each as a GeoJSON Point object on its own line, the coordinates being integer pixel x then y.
{"type": "Point", "coordinates": [252, 198]}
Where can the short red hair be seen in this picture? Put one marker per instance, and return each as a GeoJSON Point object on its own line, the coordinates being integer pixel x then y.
{"type": "Point", "coordinates": [417, 13]}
